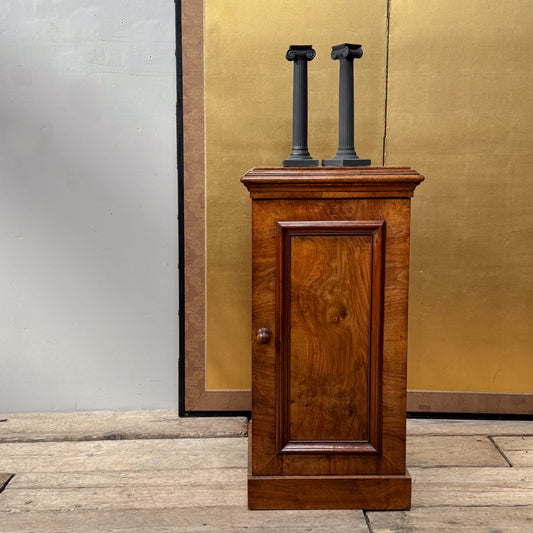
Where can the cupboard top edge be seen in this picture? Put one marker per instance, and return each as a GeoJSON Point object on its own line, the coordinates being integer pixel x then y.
{"type": "Point", "coordinates": [327, 178]}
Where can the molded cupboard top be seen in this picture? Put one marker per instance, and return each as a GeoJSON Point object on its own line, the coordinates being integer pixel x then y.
{"type": "Point", "coordinates": [331, 182]}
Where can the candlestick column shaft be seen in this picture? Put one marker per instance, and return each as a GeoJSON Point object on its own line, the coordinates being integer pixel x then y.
{"type": "Point", "coordinates": [346, 108]}
{"type": "Point", "coordinates": [299, 109]}
{"type": "Point", "coordinates": [346, 156]}
{"type": "Point", "coordinates": [299, 156]}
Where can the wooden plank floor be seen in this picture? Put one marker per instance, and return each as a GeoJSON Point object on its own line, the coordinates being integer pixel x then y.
{"type": "Point", "coordinates": [73, 475]}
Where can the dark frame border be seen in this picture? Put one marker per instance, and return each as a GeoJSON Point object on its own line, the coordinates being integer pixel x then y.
{"type": "Point", "coordinates": [181, 203]}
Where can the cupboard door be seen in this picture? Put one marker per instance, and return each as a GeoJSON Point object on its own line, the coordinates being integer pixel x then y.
{"type": "Point", "coordinates": [328, 282]}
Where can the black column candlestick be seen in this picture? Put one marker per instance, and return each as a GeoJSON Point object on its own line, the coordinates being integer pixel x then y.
{"type": "Point", "coordinates": [346, 156]}
{"type": "Point", "coordinates": [299, 156]}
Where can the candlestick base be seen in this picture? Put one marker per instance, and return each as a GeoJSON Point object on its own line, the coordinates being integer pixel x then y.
{"type": "Point", "coordinates": [300, 162]}
{"type": "Point", "coordinates": [346, 162]}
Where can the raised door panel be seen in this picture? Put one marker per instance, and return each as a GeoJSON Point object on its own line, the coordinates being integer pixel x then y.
{"type": "Point", "coordinates": [329, 295]}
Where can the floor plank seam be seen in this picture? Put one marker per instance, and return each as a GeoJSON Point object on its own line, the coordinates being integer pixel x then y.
{"type": "Point", "coordinates": [367, 520]}
{"type": "Point", "coordinates": [492, 434]}
{"type": "Point", "coordinates": [430, 467]}
{"type": "Point", "coordinates": [140, 471]}
{"type": "Point", "coordinates": [510, 435]}
{"type": "Point", "coordinates": [5, 483]}
{"type": "Point", "coordinates": [491, 439]}
{"type": "Point", "coordinates": [108, 439]}
{"type": "Point", "coordinates": [72, 488]}
{"type": "Point", "coordinates": [99, 508]}
{"type": "Point", "coordinates": [473, 506]}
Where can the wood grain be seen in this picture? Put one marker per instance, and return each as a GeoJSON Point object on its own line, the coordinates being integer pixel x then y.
{"type": "Point", "coordinates": [453, 519]}
{"type": "Point", "coordinates": [179, 454]}
{"type": "Point", "coordinates": [127, 478]}
{"type": "Point", "coordinates": [123, 497]}
{"type": "Point", "coordinates": [213, 519]}
{"type": "Point", "coordinates": [329, 346]}
{"type": "Point", "coordinates": [115, 425]}
{"type": "Point", "coordinates": [355, 182]}
{"type": "Point", "coordinates": [395, 293]}
{"type": "Point", "coordinates": [329, 321]}
{"type": "Point", "coordinates": [468, 427]}
{"type": "Point", "coordinates": [471, 486]}
{"type": "Point", "coordinates": [329, 492]}
{"type": "Point", "coordinates": [431, 451]}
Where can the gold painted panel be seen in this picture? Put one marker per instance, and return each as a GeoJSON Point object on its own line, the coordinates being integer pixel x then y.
{"type": "Point", "coordinates": [248, 109]}
{"type": "Point", "coordinates": [460, 111]}
{"type": "Point", "coordinates": [193, 396]}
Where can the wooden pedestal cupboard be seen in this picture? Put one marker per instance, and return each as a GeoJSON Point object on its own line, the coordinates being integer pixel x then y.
{"type": "Point", "coordinates": [330, 269]}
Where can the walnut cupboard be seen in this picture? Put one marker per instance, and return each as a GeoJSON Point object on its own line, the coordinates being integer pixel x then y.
{"type": "Point", "coordinates": [330, 274]}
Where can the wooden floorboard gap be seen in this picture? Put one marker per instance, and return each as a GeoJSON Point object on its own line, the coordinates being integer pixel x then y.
{"type": "Point", "coordinates": [367, 520]}
{"type": "Point", "coordinates": [500, 450]}
{"type": "Point", "coordinates": [4, 480]}
{"type": "Point", "coordinates": [440, 467]}
{"type": "Point", "coordinates": [473, 506]}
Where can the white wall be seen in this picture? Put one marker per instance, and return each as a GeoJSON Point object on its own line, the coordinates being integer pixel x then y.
{"type": "Point", "coordinates": [88, 205]}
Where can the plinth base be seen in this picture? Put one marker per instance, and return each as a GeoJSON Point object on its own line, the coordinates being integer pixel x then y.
{"type": "Point", "coordinates": [355, 162]}
{"type": "Point", "coordinates": [383, 493]}
{"type": "Point", "coordinates": [300, 162]}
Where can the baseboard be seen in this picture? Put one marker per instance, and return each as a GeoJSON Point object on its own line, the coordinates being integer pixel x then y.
{"type": "Point", "coordinates": [501, 403]}
{"type": "Point", "coordinates": [380, 492]}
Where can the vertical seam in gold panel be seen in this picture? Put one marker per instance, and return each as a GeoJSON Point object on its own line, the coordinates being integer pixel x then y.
{"type": "Point", "coordinates": [386, 84]}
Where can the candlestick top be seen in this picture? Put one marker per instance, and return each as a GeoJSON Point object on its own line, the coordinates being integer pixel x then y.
{"type": "Point", "coordinates": [346, 51]}
{"type": "Point", "coordinates": [297, 51]}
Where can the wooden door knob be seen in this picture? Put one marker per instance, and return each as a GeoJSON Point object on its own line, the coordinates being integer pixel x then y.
{"type": "Point", "coordinates": [264, 335]}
